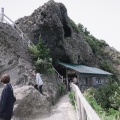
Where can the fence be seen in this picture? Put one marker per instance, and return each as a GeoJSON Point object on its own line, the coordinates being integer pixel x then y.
{"type": "Point", "coordinates": [84, 110]}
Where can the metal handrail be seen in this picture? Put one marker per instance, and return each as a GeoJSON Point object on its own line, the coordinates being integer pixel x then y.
{"type": "Point", "coordinates": [58, 75]}
{"type": "Point", "coordinates": [23, 36]}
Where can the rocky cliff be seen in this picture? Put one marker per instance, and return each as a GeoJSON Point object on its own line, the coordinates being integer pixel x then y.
{"type": "Point", "coordinates": [58, 32]}
{"type": "Point", "coordinates": [15, 61]}
{"type": "Point", "coordinates": [61, 35]}
{"type": "Point", "coordinates": [66, 44]}
{"type": "Point", "coordinates": [14, 56]}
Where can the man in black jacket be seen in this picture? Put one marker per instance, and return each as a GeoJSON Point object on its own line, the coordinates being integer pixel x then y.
{"type": "Point", "coordinates": [7, 99]}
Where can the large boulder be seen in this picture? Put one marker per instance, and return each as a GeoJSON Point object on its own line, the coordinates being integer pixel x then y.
{"type": "Point", "coordinates": [30, 103]}
{"type": "Point", "coordinates": [58, 32]}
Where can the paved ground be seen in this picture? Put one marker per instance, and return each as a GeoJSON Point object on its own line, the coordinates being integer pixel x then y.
{"type": "Point", "coordinates": [63, 110]}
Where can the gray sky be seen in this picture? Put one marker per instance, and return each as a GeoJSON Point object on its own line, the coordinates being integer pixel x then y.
{"type": "Point", "coordinates": [101, 17]}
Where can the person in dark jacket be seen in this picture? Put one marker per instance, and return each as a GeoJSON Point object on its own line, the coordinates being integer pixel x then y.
{"type": "Point", "coordinates": [7, 99]}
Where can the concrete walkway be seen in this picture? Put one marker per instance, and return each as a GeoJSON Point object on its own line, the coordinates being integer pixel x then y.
{"type": "Point", "coordinates": [63, 110]}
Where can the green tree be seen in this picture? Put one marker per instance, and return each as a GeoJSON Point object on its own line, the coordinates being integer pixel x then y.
{"type": "Point", "coordinates": [86, 32]}
{"type": "Point", "coordinates": [103, 95]}
{"type": "Point", "coordinates": [34, 52]}
{"type": "Point", "coordinates": [74, 26]}
{"type": "Point", "coordinates": [105, 65]}
{"type": "Point", "coordinates": [81, 28]}
{"type": "Point", "coordinates": [41, 57]}
{"type": "Point", "coordinates": [115, 99]}
{"type": "Point", "coordinates": [44, 52]}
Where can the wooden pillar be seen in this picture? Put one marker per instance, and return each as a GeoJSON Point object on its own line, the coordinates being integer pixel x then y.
{"type": "Point", "coordinates": [2, 15]}
{"type": "Point", "coordinates": [62, 78]}
{"type": "Point", "coordinates": [78, 78]}
{"type": "Point", "coordinates": [67, 79]}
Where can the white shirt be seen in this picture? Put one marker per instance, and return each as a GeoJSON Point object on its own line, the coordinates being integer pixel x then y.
{"type": "Point", "coordinates": [74, 79]}
{"type": "Point", "coordinates": [38, 79]}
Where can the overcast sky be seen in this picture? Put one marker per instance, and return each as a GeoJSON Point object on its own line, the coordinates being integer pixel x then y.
{"type": "Point", "coordinates": [101, 17]}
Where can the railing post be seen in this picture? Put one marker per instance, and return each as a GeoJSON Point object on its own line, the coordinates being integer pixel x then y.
{"type": "Point", "coordinates": [2, 15]}
{"type": "Point", "coordinates": [62, 79]}
{"type": "Point", "coordinates": [29, 43]}
{"type": "Point", "coordinates": [19, 31]}
{"type": "Point", "coordinates": [22, 35]}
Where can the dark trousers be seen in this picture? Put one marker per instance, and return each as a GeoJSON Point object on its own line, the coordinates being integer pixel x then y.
{"type": "Point", "coordinates": [7, 118]}
{"type": "Point", "coordinates": [40, 89]}
{"type": "Point", "coordinates": [36, 86]}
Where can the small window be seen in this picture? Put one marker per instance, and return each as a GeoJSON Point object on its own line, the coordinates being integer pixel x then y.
{"type": "Point", "coordinates": [86, 81]}
{"type": "Point", "coordinates": [99, 81]}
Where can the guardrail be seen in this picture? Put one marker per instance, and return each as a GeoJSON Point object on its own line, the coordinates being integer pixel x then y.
{"type": "Point", "coordinates": [4, 18]}
{"type": "Point", "coordinates": [57, 75]}
{"type": "Point", "coordinates": [84, 110]}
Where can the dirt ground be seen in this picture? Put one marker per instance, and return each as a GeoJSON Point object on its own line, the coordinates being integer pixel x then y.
{"type": "Point", "coordinates": [63, 110]}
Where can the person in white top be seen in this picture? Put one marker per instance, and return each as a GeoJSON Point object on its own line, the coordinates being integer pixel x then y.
{"type": "Point", "coordinates": [39, 81]}
{"type": "Point", "coordinates": [75, 80]}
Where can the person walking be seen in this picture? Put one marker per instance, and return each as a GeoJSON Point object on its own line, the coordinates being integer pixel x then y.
{"type": "Point", "coordinates": [7, 99]}
{"type": "Point", "coordinates": [39, 81]}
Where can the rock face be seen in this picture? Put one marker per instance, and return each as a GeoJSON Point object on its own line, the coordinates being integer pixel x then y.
{"type": "Point", "coordinates": [15, 61]}
{"type": "Point", "coordinates": [66, 44]}
{"type": "Point", "coordinates": [26, 107]}
{"type": "Point", "coordinates": [61, 35]}
{"type": "Point", "coordinates": [113, 56]}
{"type": "Point", "coordinates": [14, 56]}
{"type": "Point", "coordinates": [31, 104]}
{"type": "Point", "coordinates": [58, 32]}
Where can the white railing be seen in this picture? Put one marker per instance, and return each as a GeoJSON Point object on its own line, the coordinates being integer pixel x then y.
{"type": "Point", "coordinates": [2, 15]}
{"type": "Point", "coordinates": [84, 110]}
{"type": "Point", "coordinates": [4, 18]}
{"type": "Point", "coordinates": [57, 75]}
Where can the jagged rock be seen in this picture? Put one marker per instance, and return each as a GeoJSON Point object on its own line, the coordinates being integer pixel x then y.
{"type": "Point", "coordinates": [15, 61]}
{"type": "Point", "coordinates": [13, 53]}
{"type": "Point", "coordinates": [30, 103]}
{"type": "Point", "coordinates": [66, 44]}
{"type": "Point", "coordinates": [58, 32]}
{"type": "Point", "coordinates": [113, 57]}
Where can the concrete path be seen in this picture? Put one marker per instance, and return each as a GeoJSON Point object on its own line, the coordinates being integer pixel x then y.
{"type": "Point", "coordinates": [63, 110]}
